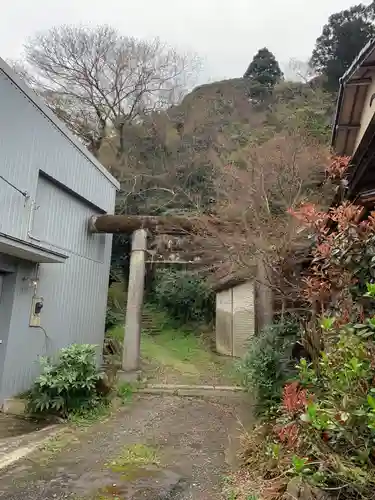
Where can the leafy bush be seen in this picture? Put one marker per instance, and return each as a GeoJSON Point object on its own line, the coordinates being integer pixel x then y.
{"type": "Point", "coordinates": [268, 363]}
{"type": "Point", "coordinates": [113, 318]}
{"type": "Point", "coordinates": [323, 431]}
{"type": "Point", "coordinates": [116, 305]}
{"type": "Point", "coordinates": [67, 385]}
{"type": "Point", "coordinates": [184, 295]}
{"type": "Point", "coordinates": [327, 415]}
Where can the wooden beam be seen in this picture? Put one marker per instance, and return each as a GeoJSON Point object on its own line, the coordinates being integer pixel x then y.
{"type": "Point", "coordinates": [368, 64]}
{"type": "Point", "coordinates": [362, 160]}
{"type": "Point", "coordinates": [174, 262]}
{"type": "Point", "coordinates": [349, 126]}
{"type": "Point", "coordinates": [127, 224]}
{"type": "Point", "coordinates": [358, 82]}
{"type": "Point", "coordinates": [367, 198]}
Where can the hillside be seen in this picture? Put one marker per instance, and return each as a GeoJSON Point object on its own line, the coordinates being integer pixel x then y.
{"type": "Point", "coordinates": [175, 160]}
{"type": "Point", "coordinates": [215, 124]}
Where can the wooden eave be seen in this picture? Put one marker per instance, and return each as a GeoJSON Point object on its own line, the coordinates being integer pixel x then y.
{"type": "Point", "coordinates": [360, 177]}
{"type": "Point", "coordinates": [351, 99]}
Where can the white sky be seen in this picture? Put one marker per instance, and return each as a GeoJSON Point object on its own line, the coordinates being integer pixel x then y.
{"type": "Point", "coordinates": [225, 33]}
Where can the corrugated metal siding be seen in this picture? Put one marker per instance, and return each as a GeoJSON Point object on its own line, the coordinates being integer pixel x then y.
{"type": "Point", "coordinates": [224, 318]}
{"type": "Point", "coordinates": [29, 141]}
{"type": "Point", "coordinates": [235, 319]}
{"type": "Point", "coordinates": [243, 317]}
{"type": "Point", "coordinates": [61, 220]}
{"type": "Point", "coordinates": [75, 295]}
{"type": "Point", "coordinates": [6, 311]}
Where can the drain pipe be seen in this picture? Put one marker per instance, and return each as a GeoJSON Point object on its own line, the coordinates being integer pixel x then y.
{"type": "Point", "coordinates": [33, 208]}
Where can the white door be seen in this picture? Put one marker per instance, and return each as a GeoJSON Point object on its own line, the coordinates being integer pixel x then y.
{"type": "Point", "coordinates": [243, 317]}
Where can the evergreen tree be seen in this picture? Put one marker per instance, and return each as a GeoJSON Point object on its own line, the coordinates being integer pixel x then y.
{"type": "Point", "coordinates": [343, 37]}
{"type": "Point", "coordinates": [264, 72]}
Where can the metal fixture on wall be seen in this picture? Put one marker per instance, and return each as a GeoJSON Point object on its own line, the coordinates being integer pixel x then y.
{"type": "Point", "coordinates": [33, 280]}
{"type": "Point", "coordinates": [33, 209]}
{"type": "Point", "coordinates": [24, 193]}
{"type": "Point", "coordinates": [36, 308]}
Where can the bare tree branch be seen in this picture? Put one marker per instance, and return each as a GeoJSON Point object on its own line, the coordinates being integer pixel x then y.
{"type": "Point", "coordinates": [97, 80]}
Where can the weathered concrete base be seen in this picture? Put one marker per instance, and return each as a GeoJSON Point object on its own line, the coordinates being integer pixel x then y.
{"type": "Point", "coordinates": [192, 390]}
{"type": "Point", "coordinates": [14, 406]}
{"type": "Point", "coordinates": [14, 449]}
{"type": "Point", "coordinates": [131, 376]}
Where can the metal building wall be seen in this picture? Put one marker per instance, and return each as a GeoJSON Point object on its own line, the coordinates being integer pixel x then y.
{"type": "Point", "coordinates": [73, 189]}
{"type": "Point", "coordinates": [29, 142]}
{"type": "Point", "coordinates": [75, 295]}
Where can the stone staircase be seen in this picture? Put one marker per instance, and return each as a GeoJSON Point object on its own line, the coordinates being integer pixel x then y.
{"type": "Point", "coordinates": [149, 324]}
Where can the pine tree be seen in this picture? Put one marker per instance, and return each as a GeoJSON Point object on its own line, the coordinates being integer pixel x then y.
{"type": "Point", "coordinates": [341, 40]}
{"type": "Point", "coordinates": [264, 72]}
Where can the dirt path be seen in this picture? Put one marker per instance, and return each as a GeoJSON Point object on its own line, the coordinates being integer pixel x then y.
{"type": "Point", "coordinates": [157, 448]}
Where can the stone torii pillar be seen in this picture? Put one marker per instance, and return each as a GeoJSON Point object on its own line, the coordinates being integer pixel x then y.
{"type": "Point", "coordinates": [132, 333]}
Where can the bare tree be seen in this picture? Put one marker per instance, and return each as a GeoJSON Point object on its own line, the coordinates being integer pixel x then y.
{"type": "Point", "coordinates": [252, 203]}
{"type": "Point", "coordinates": [97, 81]}
{"type": "Point", "coordinates": [302, 71]}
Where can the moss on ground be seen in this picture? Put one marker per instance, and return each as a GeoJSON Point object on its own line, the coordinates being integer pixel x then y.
{"type": "Point", "coordinates": [176, 355]}
{"type": "Point", "coordinates": [132, 462]}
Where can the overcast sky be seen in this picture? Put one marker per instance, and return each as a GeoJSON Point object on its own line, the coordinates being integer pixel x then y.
{"type": "Point", "coordinates": [225, 33]}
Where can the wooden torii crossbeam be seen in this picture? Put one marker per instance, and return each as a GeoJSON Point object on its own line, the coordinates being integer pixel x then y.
{"type": "Point", "coordinates": [127, 224]}
{"type": "Point", "coordinates": [163, 224]}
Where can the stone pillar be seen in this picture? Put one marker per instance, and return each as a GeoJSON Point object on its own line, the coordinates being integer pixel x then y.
{"type": "Point", "coordinates": [132, 334]}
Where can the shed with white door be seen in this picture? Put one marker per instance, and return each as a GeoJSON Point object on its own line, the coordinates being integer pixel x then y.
{"type": "Point", "coordinates": [54, 274]}
{"type": "Point", "coordinates": [235, 317]}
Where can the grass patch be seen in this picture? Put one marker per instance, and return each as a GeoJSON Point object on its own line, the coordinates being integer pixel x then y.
{"type": "Point", "coordinates": [84, 418]}
{"type": "Point", "coordinates": [178, 354]}
{"type": "Point", "coordinates": [172, 347]}
{"type": "Point", "coordinates": [125, 392]}
{"type": "Point", "coordinates": [54, 446]}
{"type": "Point", "coordinates": [184, 353]}
{"type": "Point", "coordinates": [175, 356]}
{"type": "Point", "coordinates": [133, 461]}
{"type": "Point", "coordinates": [136, 454]}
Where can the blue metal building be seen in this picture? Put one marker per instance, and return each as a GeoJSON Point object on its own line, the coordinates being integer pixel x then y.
{"type": "Point", "coordinates": [49, 188]}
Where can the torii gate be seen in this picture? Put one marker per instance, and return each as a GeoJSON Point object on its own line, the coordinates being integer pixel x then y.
{"type": "Point", "coordinates": [137, 226]}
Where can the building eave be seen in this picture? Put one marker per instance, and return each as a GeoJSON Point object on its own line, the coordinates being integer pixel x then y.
{"type": "Point", "coordinates": [25, 250]}
{"type": "Point", "coordinates": [351, 98]}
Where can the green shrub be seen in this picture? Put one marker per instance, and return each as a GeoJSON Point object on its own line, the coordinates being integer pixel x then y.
{"type": "Point", "coordinates": [125, 392]}
{"type": "Point", "coordinates": [184, 295]}
{"type": "Point", "coordinates": [331, 408]}
{"type": "Point", "coordinates": [268, 363]}
{"type": "Point", "coordinates": [116, 305]}
{"type": "Point", "coordinates": [67, 385]}
{"type": "Point", "coordinates": [112, 318]}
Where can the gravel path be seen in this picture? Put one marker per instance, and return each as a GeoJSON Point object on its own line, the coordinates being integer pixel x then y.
{"type": "Point", "coordinates": [194, 438]}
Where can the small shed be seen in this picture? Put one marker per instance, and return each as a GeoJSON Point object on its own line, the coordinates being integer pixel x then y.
{"type": "Point", "coordinates": [235, 316]}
